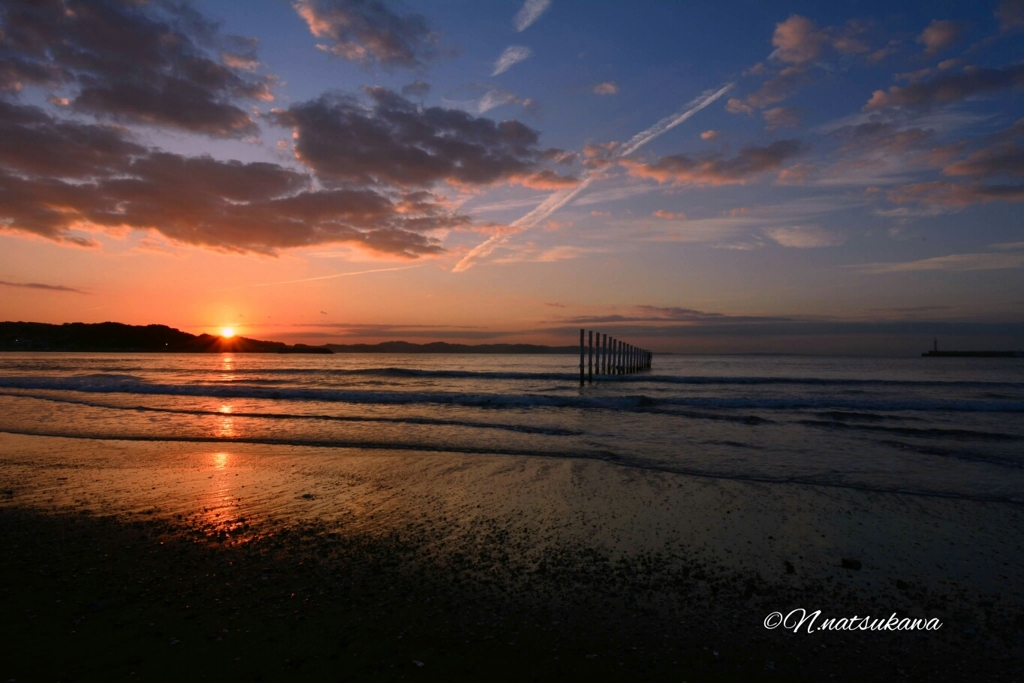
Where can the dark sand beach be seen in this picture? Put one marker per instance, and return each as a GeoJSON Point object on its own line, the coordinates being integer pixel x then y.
{"type": "Point", "coordinates": [156, 561]}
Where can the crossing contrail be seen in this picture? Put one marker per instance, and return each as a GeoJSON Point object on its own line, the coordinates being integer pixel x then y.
{"type": "Point", "coordinates": [328, 277]}
{"type": "Point", "coordinates": [559, 199]}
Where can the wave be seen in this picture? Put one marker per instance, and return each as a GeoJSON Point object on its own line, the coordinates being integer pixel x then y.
{"type": "Point", "coordinates": [570, 377]}
{"type": "Point", "coordinates": [926, 433]}
{"type": "Point", "coordinates": [575, 454]}
{"type": "Point", "coordinates": [134, 385]}
{"type": "Point", "coordinates": [412, 420]}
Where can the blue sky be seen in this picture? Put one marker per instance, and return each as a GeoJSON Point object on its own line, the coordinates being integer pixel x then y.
{"type": "Point", "coordinates": [837, 176]}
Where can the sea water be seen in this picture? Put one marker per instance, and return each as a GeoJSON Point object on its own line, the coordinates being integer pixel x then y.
{"type": "Point", "coordinates": [950, 427]}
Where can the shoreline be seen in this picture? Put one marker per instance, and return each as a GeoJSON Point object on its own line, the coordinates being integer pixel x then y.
{"type": "Point", "coordinates": [498, 546]}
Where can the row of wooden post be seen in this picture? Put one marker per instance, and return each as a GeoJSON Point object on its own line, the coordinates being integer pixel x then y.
{"type": "Point", "coordinates": [614, 357]}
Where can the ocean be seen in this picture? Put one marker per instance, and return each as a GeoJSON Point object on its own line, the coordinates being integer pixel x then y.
{"type": "Point", "coordinates": [930, 427]}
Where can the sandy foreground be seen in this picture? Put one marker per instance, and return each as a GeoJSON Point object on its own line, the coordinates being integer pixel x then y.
{"type": "Point", "coordinates": [173, 561]}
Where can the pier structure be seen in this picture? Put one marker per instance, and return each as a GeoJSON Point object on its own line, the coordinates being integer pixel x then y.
{"type": "Point", "coordinates": [610, 356]}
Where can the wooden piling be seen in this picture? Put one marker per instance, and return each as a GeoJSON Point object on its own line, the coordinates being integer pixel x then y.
{"type": "Point", "coordinates": [581, 357]}
{"type": "Point", "coordinates": [590, 345]}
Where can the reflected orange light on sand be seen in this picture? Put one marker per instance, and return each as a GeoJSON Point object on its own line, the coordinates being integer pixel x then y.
{"type": "Point", "coordinates": [219, 517]}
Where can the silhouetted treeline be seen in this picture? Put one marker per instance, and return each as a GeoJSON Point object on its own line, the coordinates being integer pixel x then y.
{"type": "Point", "coordinates": [19, 336]}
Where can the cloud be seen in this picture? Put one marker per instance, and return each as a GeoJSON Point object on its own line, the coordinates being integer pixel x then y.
{"type": "Point", "coordinates": [33, 142]}
{"type": "Point", "coordinates": [939, 36]}
{"type": "Point", "coordinates": [530, 12]}
{"type": "Point", "coordinates": [800, 42]}
{"type": "Point", "coordinates": [711, 135]}
{"type": "Point", "coordinates": [805, 236]}
{"type": "Point", "coordinates": [606, 88]}
{"type": "Point", "coordinates": [774, 90]}
{"type": "Point", "coordinates": [948, 88]}
{"type": "Point", "coordinates": [941, 193]}
{"type": "Point", "coordinates": [416, 89]}
{"type": "Point", "coordinates": [102, 181]}
{"type": "Point", "coordinates": [391, 140]}
{"type": "Point", "coordinates": [547, 179]}
{"type": "Point", "coordinates": [495, 98]}
{"type": "Point", "coordinates": [781, 117]}
{"type": "Point", "coordinates": [367, 31]}
{"type": "Point", "coordinates": [998, 160]}
{"type": "Point", "coordinates": [36, 285]}
{"type": "Point", "coordinates": [953, 262]}
{"type": "Point", "coordinates": [669, 216]}
{"type": "Point", "coordinates": [796, 174]}
{"type": "Point", "coordinates": [714, 169]}
{"type": "Point", "coordinates": [799, 45]}
{"type": "Point", "coordinates": [797, 40]}
{"type": "Point", "coordinates": [148, 63]}
{"type": "Point", "coordinates": [881, 136]}
{"type": "Point", "coordinates": [1010, 14]}
{"type": "Point", "coordinates": [531, 253]}
{"type": "Point", "coordinates": [513, 54]}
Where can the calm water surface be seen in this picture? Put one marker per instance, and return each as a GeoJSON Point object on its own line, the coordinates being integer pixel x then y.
{"type": "Point", "coordinates": [941, 427]}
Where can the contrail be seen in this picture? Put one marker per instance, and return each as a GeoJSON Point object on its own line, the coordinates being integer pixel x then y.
{"type": "Point", "coordinates": [559, 199]}
{"type": "Point", "coordinates": [328, 277]}
{"type": "Point", "coordinates": [670, 122]}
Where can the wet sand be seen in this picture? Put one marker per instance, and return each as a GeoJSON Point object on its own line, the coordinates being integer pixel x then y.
{"type": "Point", "coordinates": [157, 561]}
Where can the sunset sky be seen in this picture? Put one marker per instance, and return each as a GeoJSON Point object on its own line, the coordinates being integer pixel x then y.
{"type": "Point", "coordinates": [727, 176]}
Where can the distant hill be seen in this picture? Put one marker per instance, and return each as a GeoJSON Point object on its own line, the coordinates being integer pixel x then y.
{"type": "Point", "coordinates": [18, 336]}
{"type": "Point", "coordinates": [444, 347]}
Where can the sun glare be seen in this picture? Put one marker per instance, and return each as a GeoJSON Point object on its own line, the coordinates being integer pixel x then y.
{"type": "Point", "coordinates": [227, 332]}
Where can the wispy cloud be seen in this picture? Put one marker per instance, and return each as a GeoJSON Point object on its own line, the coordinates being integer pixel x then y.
{"type": "Point", "coordinates": [513, 54]}
{"type": "Point", "coordinates": [805, 236]}
{"type": "Point", "coordinates": [530, 12]}
{"type": "Point", "coordinates": [954, 262]}
{"type": "Point", "coordinates": [38, 285]}
{"type": "Point", "coordinates": [495, 98]}
{"type": "Point", "coordinates": [560, 199]}
{"type": "Point", "coordinates": [531, 253]}
{"type": "Point", "coordinates": [606, 88]}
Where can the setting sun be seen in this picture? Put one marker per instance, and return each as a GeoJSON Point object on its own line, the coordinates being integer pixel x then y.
{"type": "Point", "coordinates": [227, 332]}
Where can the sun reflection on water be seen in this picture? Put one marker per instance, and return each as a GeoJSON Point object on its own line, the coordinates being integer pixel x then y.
{"type": "Point", "coordinates": [227, 367]}
{"type": "Point", "coordinates": [227, 428]}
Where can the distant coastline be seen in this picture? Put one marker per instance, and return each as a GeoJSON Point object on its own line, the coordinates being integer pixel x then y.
{"type": "Point", "coordinates": [444, 347]}
{"type": "Point", "coordinates": [118, 337]}
{"type": "Point", "coordinates": [973, 354]}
